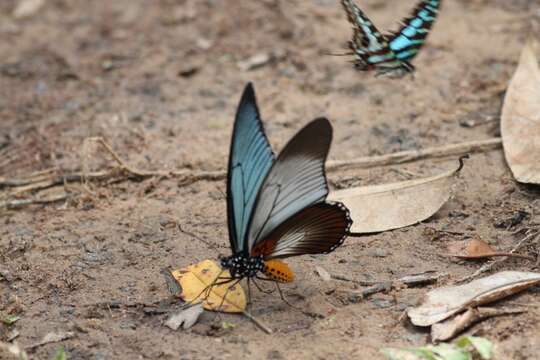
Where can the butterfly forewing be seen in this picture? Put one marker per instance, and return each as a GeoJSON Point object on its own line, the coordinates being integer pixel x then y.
{"type": "Point", "coordinates": [409, 39]}
{"type": "Point", "coordinates": [295, 181]}
{"type": "Point", "coordinates": [250, 159]}
{"type": "Point", "coordinates": [317, 229]}
{"type": "Point", "coordinates": [365, 34]}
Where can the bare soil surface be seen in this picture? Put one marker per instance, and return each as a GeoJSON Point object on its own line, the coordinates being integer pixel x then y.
{"type": "Point", "coordinates": [160, 81]}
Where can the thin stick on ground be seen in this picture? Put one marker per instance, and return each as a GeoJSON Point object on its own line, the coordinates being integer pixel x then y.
{"type": "Point", "coordinates": [488, 266]}
{"type": "Point", "coordinates": [413, 155]}
{"type": "Point", "coordinates": [188, 176]}
{"type": "Point", "coordinates": [17, 203]}
{"type": "Point", "coordinates": [374, 287]}
{"type": "Point", "coordinates": [257, 322]}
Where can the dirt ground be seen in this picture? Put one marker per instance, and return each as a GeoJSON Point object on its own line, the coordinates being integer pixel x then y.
{"type": "Point", "coordinates": [160, 81]}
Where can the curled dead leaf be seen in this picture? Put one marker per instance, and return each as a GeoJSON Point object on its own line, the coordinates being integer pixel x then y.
{"type": "Point", "coordinates": [444, 302]}
{"type": "Point", "coordinates": [520, 119]}
{"type": "Point", "coordinates": [198, 283]}
{"type": "Point", "coordinates": [453, 326]}
{"type": "Point", "coordinates": [384, 207]}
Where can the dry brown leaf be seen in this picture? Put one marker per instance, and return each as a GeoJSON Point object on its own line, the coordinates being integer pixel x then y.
{"type": "Point", "coordinates": [390, 206]}
{"type": "Point", "coordinates": [520, 119]}
{"type": "Point", "coordinates": [444, 302]}
{"type": "Point", "coordinates": [479, 249]}
{"type": "Point", "coordinates": [195, 279]}
{"type": "Point", "coordinates": [452, 327]}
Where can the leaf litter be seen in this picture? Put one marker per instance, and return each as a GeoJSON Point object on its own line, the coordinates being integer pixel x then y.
{"type": "Point", "coordinates": [385, 207]}
{"type": "Point", "coordinates": [186, 317]}
{"type": "Point", "coordinates": [477, 248]}
{"type": "Point", "coordinates": [449, 328]}
{"type": "Point", "coordinates": [442, 303]}
{"type": "Point", "coordinates": [200, 283]}
{"type": "Point", "coordinates": [520, 119]}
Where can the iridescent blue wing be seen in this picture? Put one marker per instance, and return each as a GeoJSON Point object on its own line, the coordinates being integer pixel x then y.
{"type": "Point", "coordinates": [406, 43]}
{"type": "Point", "coordinates": [250, 159]}
{"type": "Point", "coordinates": [295, 181]}
{"type": "Point", "coordinates": [366, 37]}
{"type": "Point", "coordinates": [369, 46]}
{"type": "Point", "coordinates": [317, 229]}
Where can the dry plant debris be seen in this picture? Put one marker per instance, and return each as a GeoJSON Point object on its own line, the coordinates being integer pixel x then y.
{"type": "Point", "coordinates": [442, 303]}
{"type": "Point", "coordinates": [520, 120]}
{"type": "Point", "coordinates": [200, 283]}
{"type": "Point", "coordinates": [390, 206]}
{"type": "Point", "coordinates": [476, 248]}
{"type": "Point", "coordinates": [186, 317]}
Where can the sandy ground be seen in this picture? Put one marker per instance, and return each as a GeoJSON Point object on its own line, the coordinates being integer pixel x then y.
{"type": "Point", "coordinates": [159, 80]}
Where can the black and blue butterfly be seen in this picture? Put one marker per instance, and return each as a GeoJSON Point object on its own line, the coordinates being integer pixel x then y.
{"type": "Point", "coordinates": [277, 207]}
{"type": "Point", "coordinates": [389, 54]}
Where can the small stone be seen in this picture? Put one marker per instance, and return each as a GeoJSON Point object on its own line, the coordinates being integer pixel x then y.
{"type": "Point", "coordinates": [378, 253]}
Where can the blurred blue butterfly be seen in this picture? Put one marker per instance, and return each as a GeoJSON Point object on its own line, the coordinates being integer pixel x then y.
{"type": "Point", "coordinates": [277, 207]}
{"type": "Point", "coordinates": [389, 54]}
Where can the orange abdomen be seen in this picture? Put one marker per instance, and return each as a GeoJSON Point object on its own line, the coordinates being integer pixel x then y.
{"type": "Point", "coordinates": [279, 271]}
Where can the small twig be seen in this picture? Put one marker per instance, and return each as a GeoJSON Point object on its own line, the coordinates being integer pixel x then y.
{"type": "Point", "coordinates": [257, 322]}
{"type": "Point", "coordinates": [495, 254]}
{"type": "Point", "coordinates": [413, 155]}
{"type": "Point", "coordinates": [488, 266]}
{"type": "Point", "coordinates": [383, 286]}
{"type": "Point", "coordinates": [17, 203]}
{"type": "Point", "coordinates": [118, 159]}
{"type": "Point", "coordinates": [533, 305]}
{"type": "Point", "coordinates": [409, 280]}
{"type": "Point", "coordinates": [188, 176]}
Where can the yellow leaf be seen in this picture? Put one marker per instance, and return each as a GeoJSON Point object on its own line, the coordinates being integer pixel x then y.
{"type": "Point", "coordinates": [195, 280]}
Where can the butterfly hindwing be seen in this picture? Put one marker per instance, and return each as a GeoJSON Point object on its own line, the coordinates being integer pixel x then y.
{"type": "Point", "coordinates": [295, 181]}
{"type": "Point", "coordinates": [250, 159]}
{"type": "Point", "coordinates": [317, 229]}
{"type": "Point", "coordinates": [409, 39]}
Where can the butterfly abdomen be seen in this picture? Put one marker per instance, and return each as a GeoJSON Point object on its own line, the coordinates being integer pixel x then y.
{"type": "Point", "coordinates": [278, 271]}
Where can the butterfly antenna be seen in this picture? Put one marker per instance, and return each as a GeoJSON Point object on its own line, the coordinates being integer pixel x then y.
{"type": "Point", "coordinates": [341, 54]}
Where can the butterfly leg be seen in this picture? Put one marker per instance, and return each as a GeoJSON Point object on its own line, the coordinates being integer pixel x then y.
{"type": "Point", "coordinates": [249, 294]}
{"type": "Point", "coordinates": [282, 296]}
{"type": "Point", "coordinates": [260, 288]}
{"type": "Point", "coordinates": [207, 289]}
{"type": "Point", "coordinates": [227, 292]}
